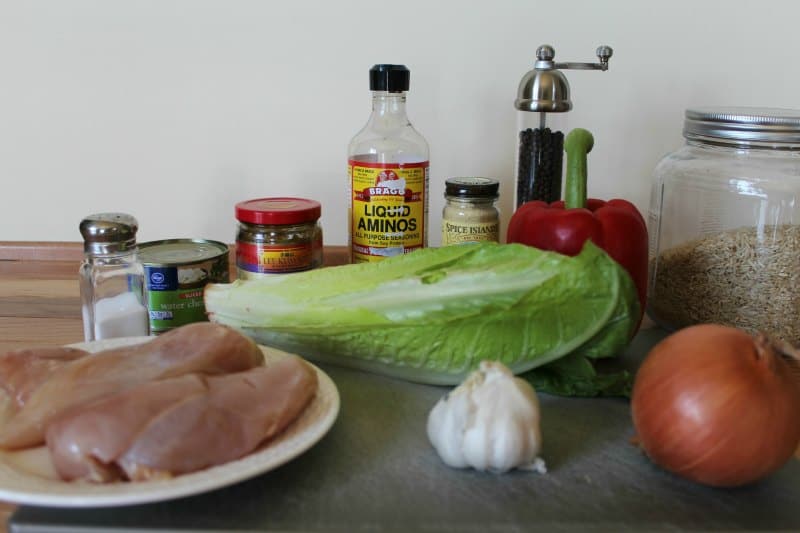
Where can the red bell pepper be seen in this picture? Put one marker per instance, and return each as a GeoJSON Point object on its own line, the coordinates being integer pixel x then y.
{"type": "Point", "coordinates": [616, 226]}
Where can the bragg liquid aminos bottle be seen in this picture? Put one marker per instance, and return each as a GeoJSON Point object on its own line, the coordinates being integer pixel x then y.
{"type": "Point", "coordinates": [387, 175]}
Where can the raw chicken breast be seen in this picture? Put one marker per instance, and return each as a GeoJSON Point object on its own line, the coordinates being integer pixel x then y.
{"type": "Point", "coordinates": [170, 427]}
{"type": "Point", "coordinates": [23, 371]}
{"type": "Point", "coordinates": [201, 347]}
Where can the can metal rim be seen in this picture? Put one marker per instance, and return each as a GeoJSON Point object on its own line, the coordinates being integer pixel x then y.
{"type": "Point", "coordinates": [221, 248]}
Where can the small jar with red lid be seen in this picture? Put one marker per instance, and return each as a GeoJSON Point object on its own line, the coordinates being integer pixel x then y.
{"type": "Point", "coordinates": [277, 236]}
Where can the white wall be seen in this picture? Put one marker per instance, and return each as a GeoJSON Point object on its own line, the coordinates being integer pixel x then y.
{"type": "Point", "coordinates": [175, 110]}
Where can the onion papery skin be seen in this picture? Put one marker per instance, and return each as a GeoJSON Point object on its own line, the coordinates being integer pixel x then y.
{"type": "Point", "coordinates": [714, 405]}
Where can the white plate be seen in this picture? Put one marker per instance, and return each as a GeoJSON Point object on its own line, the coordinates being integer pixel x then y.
{"type": "Point", "coordinates": [26, 477]}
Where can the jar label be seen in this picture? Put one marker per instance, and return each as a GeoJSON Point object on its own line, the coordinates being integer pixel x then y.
{"type": "Point", "coordinates": [387, 208]}
{"type": "Point", "coordinates": [271, 259]}
{"type": "Point", "coordinates": [469, 232]}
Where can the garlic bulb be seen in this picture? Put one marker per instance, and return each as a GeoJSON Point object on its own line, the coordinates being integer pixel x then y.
{"type": "Point", "coordinates": [489, 422]}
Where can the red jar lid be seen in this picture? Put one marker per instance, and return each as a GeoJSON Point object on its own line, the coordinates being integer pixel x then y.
{"type": "Point", "coordinates": [278, 211]}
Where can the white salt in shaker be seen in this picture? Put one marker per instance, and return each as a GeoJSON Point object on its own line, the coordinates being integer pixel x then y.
{"type": "Point", "coordinates": [111, 278]}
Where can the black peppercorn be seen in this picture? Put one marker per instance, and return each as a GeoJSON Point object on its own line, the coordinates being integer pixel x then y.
{"type": "Point", "coordinates": [539, 166]}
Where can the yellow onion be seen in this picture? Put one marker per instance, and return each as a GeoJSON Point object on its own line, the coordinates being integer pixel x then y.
{"type": "Point", "coordinates": [717, 406]}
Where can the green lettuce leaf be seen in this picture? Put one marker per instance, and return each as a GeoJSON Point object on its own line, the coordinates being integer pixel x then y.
{"type": "Point", "coordinates": [619, 328]}
{"type": "Point", "coordinates": [575, 375]}
{"type": "Point", "coordinates": [431, 316]}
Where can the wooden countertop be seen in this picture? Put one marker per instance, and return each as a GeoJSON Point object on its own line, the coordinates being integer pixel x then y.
{"type": "Point", "coordinates": [39, 294]}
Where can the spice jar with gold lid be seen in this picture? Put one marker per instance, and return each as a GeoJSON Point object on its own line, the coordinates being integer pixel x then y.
{"type": "Point", "coordinates": [470, 214]}
{"type": "Point", "coordinates": [724, 223]}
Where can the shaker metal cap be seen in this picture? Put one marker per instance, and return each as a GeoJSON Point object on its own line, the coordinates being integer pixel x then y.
{"type": "Point", "coordinates": [105, 233]}
{"type": "Point", "coordinates": [743, 126]}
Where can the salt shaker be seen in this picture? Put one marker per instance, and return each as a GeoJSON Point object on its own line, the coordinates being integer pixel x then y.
{"type": "Point", "coordinates": [111, 278]}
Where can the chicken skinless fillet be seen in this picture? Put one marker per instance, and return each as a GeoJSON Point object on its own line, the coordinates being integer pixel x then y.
{"type": "Point", "coordinates": [174, 426]}
{"type": "Point", "coordinates": [201, 347]}
{"type": "Point", "coordinates": [23, 371]}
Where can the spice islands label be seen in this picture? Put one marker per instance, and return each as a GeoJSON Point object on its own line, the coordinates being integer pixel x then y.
{"type": "Point", "coordinates": [469, 232]}
{"type": "Point", "coordinates": [387, 209]}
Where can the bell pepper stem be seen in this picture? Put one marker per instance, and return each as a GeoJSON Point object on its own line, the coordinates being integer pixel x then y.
{"type": "Point", "coordinates": [577, 144]}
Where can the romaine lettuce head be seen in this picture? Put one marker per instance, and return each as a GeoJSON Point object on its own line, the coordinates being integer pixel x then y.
{"type": "Point", "coordinates": [432, 315]}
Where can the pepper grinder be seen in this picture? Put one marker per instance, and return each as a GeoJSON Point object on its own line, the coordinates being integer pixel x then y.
{"type": "Point", "coordinates": [543, 100]}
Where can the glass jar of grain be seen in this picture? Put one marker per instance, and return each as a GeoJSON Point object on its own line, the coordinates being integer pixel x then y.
{"type": "Point", "coordinates": [724, 223]}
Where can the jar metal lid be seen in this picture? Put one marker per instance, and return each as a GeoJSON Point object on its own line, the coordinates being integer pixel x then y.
{"type": "Point", "coordinates": [278, 211]}
{"type": "Point", "coordinates": [471, 187]}
{"type": "Point", "coordinates": [108, 233]}
{"type": "Point", "coordinates": [743, 126]}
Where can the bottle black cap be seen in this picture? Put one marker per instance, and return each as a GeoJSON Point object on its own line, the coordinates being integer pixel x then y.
{"type": "Point", "coordinates": [471, 187]}
{"type": "Point", "coordinates": [391, 78]}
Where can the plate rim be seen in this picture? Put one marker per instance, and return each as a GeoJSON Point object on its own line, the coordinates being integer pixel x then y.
{"type": "Point", "coordinates": [208, 479]}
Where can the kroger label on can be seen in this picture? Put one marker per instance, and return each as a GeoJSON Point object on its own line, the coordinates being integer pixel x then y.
{"type": "Point", "coordinates": [176, 272]}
